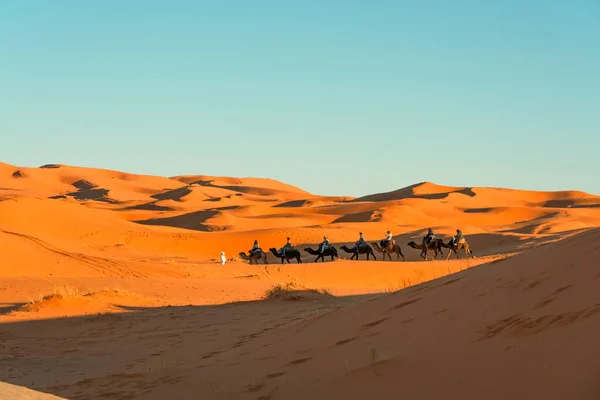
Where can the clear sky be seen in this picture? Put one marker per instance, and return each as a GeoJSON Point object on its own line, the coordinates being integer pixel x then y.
{"type": "Point", "coordinates": [339, 97]}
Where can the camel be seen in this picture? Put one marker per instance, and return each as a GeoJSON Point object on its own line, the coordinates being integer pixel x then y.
{"type": "Point", "coordinates": [289, 254]}
{"type": "Point", "coordinates": [257, 255]}
{"type": "Point", "coordinates": [364, 249]}
{"type": "Point", "coordinates": [390, 247]}
{"type": "Point", "coordinates": [458, 246]}
{"type": "Point", "coordinates": [330, 251]}
{"type": "Point", "coordinates": [435, 245]}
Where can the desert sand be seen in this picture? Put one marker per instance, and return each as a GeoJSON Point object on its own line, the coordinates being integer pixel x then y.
{"type": "Point", "coordinates": [111, 287]}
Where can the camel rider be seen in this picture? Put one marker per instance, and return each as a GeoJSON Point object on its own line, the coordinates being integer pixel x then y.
{"type": "Point", "coordinates": [324, 244]}
{"type": "Point", "coordinates": [388, 239]}
{"type": "Point", "coordinates": [429, 237]}
{"type": "Point", "coordinates": [360, 242]}
{"type": "Point", "coordinates": [255, 248]}
{"type": "Point", "coordinates": [458, 237]}
{"type": "Point", "coordinates": [288, 246]}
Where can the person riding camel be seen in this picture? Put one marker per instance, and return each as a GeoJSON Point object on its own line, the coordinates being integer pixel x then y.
{"type": "Point", "coordinates": [255, 248]}
{"type": "Point", "coordinates": [287, 246]}
{"type": "Point", "coordinates": [324, 244]}
{"type": "Point", "coordinates": [388, 239]}
{"type": "Point", "coordinates": [360, 242]}
{"type": "Point", "coordinates": [429, 237]}
{"type": "Point", "coordinates": [456, 239]}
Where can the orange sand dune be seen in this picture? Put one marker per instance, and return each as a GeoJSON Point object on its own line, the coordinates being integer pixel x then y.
{"type": "Point", "coordinates": [110, 287]}
{"type": "Point", "coordinates": [8, 391]}
{"type": "Point", "coordinates": [522, 327]}
{"type": "Point", "coordinates": [248, 185]}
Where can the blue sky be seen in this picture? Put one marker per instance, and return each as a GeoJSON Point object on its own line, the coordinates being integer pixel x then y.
{"type": "Point", "coordinates": [337, 97]}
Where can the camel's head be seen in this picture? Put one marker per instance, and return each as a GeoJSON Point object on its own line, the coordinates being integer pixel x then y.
{"type": "Point", "coordinates": [412, 244]}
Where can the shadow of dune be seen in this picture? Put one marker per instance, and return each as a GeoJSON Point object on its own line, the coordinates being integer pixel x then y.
{"type": "Point", "coordinates": [257, 191]}
{"type": "Point", "coordinates": [293, 204]}
{"type": "Point", "coordinates": [152, 206]}
{"type": "Point", "coordinates": [365, 216]}
{"type": "Point", "coordinates": [98, 194]}
{"type": "Point", "coordinates": [82, 184]}
{"type": "Point", "coordinates": [174, 194]}
{"type": "Point", "coordinates": [193, 220]}
{"type": "Point", "coordinates": [6, 308]}
{"type": "Point", "coordinates": [570, 203]}
{"type": "Point", "coordinates": [409, 193]}
{"type": "Point", "coordinates": [88, 191]}
{"type": "Point", "coordinates": [221, 198]}
{"type": "Point", "coordinates": [478, 210]}
{"type": "Point", "coordinates": [19, 174]}
{"type": "Point", "coordinates": [127, 332]}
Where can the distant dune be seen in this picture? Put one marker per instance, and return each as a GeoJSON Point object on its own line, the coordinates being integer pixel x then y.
{"type": "Point", "coordinates": [110, 287]}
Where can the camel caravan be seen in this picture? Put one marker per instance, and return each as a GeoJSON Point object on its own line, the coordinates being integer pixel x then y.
{"type": "Point", "coordinates": [387, 247]}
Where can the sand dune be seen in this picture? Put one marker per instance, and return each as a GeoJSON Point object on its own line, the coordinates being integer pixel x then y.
{"type": "Point", "coordinates": [8, 391]}
{"type": "Point", "coordinates": [522, 327]}
{"type": "Point", "coordinates": [127, 266]}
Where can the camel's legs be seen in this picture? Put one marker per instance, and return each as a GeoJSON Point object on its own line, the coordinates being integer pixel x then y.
{"type": "Point", "coordinates": [455, 249]}
{"type": "Point", "coordinates": [471, 252]}
{"type": "Point", "coordinates": [400, 255]}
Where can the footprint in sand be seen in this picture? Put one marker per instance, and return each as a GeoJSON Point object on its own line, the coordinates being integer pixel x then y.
{"type": "Point", "coordinates": [299, 361]}
{"type": "Point", "coordinates": [374, 323]}
{"type": "Point", "coordinates": [275, 375]}
{"type": "Point", "coordinates": [342, 342]}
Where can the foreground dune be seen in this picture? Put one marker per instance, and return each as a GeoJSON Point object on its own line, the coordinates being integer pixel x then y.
{"type": "Point", "coordinates": [523, 327]}
{"type": "Point", "coordinates": [110, 288]}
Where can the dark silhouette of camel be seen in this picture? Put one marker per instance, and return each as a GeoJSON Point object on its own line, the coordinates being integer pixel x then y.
{"type": "Point", "coordinates": [364, 249]}
{"type": "Point", "coordinates": [435, 245]}
{"type": "Point", "coordinates": [289, 255]}
{"type": "Point", "coordinates": [257, 255]}
{"type": "Point", "coordinates": [390, 247]}
{"type": "Point", "coordinates": [458, 246]}
{"type": "Point", "coordinates": [330, 251]}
